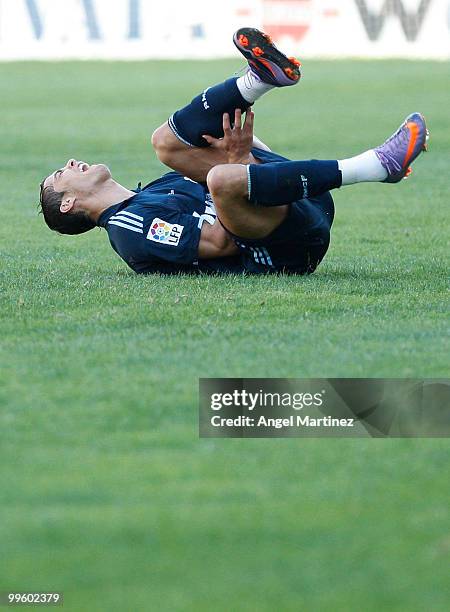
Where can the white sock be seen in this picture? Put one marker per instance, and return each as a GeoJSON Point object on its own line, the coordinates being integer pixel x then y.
{"type": "Point", "coordinates": [362, 168]}
{"type": "Point", "coordinates": [251, 86]}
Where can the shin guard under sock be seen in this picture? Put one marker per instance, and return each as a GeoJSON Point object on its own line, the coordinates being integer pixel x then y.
{"type": "Point", "coordinates": [204, 115]}
{"type": "Point", "coordinates": [278, 183]}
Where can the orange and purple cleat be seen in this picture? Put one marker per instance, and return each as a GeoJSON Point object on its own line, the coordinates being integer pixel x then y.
{"type": "Point", "coordinates": [265, 60]}
{"type": "Point", "coordinates": [403, 147]}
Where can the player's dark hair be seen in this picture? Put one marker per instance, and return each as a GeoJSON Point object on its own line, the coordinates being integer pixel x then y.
{"type": "Point", "coordinates": [64, 223]}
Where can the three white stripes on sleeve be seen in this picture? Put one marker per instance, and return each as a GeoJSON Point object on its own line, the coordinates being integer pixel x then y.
{"type": "Point", "coordinates": [128, 220]}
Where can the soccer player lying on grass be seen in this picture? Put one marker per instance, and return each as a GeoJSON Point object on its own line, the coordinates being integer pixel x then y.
{"type": "Point", "coordinates": [231, 205]}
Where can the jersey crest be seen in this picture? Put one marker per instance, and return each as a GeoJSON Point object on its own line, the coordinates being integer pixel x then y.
{"type": "Point", "coordinates": [163, 232]}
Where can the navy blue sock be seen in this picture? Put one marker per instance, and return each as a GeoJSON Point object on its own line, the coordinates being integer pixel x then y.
{"type": "Point", "coordinates": [204, 115]}
{"type": "Point", "coordinates": [280, 183]}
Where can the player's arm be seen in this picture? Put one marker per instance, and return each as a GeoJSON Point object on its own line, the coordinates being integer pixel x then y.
{"type": "Point", "coordinates": [215, 242]}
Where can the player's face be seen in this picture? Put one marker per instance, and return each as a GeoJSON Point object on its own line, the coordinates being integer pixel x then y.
{"type": "Point", "coordinates": [78, 178]}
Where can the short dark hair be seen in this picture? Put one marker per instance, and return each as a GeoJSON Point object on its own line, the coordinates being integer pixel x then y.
{"type": "Point", "coordinates": [64, 223]}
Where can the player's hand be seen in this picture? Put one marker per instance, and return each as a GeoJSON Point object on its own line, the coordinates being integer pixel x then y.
{"type": "Point", "coordinates": [237, 141]}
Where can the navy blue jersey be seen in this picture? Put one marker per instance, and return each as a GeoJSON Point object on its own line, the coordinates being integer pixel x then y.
{"type": "Point", "coordinates": [158, 229]}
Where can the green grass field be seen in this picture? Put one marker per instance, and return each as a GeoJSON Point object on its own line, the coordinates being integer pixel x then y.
{"type": "Point", "coordinates": [107, 494]}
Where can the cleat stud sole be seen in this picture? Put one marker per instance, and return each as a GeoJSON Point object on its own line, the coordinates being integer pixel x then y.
{"type": "Point", "coordinates": [408, 173]}
{"type": "Point", "coordinates": [243, 40]}
{"type": "Point", "coordinates": [291, 74]}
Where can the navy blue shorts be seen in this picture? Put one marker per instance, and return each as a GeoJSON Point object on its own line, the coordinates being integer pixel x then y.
{"type": "Point", "coordinates": [299, 244]}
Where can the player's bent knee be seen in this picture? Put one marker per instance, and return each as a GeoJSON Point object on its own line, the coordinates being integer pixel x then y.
{"type": "Point", "coordinates": [157, 137]}
{"type": "Point", "coordinates": [226, 180]}
{"type": "Point", "coordinates": [162, 142]}
{"type": "Point", "coordinates": [216, 180]}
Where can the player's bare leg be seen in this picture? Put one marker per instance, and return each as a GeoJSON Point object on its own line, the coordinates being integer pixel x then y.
{"type": "Point", "coordinates": [228, 183]}
{"type": "Point", "coordinates": [194, 162]}
{"type": "Point", "coordinates": [228, 187]}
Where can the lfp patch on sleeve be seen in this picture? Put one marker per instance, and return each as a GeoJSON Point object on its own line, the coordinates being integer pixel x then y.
{"type": "Point", "coordinates": [165, 233]}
